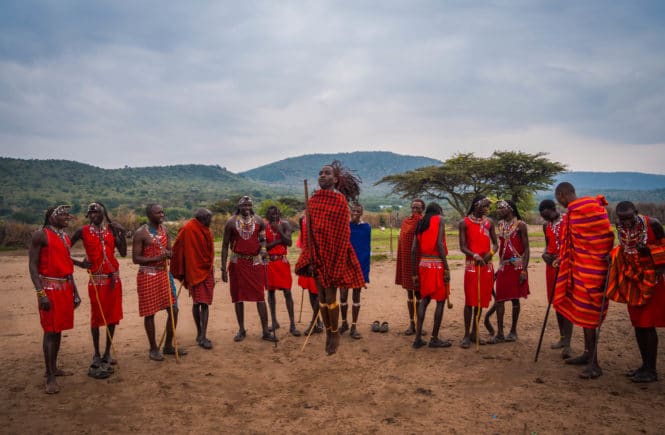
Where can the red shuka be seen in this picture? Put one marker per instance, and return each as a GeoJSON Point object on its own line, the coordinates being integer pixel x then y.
{"type": "Point", "coordinates": [334, 262]}
{"type": "Point", "coordinates": [55, 263]}
{"type": "Point", "coordinates": [279, 269]}
{"type": "Point", "coordinates": [511, 250]}
{"type": "Point", "coordinates": [153, 284]}
{"type": "Point", "coordinates": [404, 270]}
{"type": "Point", "coordinates": [104, 287]}
{"type": "Point", "coordinates": [478, 279]}
{"type": "Point", "coordinates": [431, 267]}
{"type": "Point", "coordinates": [247, 276]}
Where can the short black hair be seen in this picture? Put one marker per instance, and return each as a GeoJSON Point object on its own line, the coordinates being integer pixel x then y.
{"type": "Point", "coordinates": [546, 204]}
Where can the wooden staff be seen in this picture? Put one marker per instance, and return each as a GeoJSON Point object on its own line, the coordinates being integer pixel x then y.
{"type": "Point", "coordinates": [302, 296]}
{"type": "Point", "coordinates": [99, 304]}
{"type": "Point", "coordinates": [310, 330]}
{"type": "Point", "coordinates": [478, 312]}
{"type": "Point", "coordinates": [161, 340]}
{"type": "Point", "coordinates": [168, 282]}
{"type": "Point", "coordinates": [547, 313]}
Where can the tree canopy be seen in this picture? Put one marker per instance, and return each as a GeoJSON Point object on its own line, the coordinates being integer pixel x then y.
{"type": "Point", "coordinates": [511, 175]}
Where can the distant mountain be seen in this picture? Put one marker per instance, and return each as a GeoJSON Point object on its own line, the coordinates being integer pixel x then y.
{"type": "Point", "coordinates": [371, 166]}
{"type": "Point", "coordinates": [613, 180]}
{"type": "Point", "coordinates": [28, 187]}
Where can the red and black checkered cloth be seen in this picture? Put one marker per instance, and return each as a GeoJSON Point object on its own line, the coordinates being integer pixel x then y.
{"type": "Point", "coordinates": [334, 263]}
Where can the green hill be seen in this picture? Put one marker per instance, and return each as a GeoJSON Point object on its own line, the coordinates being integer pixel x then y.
{"type": "Point", "coordinates": [28, 187]}
{"type": "Point", "coordinates": [370, 166]}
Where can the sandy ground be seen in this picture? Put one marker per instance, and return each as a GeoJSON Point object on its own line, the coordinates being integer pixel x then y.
{"type": "Point", "coordinates": [378, 384]}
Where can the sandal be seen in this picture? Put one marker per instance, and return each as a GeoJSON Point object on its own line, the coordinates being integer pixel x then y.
{"type": "Point", "coordinates": [353, 333]}
{"type": "Point", "coordinates": [156, 355]}
{"type": "Point", "coordinates": [376, 326]}
{"type": "Point", "coordinates": [437, 343]}
{"type": "Point", "coordinates": [384, 327]}
{"type": "Point", "coordinates": [240, 336]}
{"type": "Point", "coordinates": [171, 351]}
{"type": "Point", "coordinates": [205, 343]}
{"type": "Point", "coordinates": [496, 339]}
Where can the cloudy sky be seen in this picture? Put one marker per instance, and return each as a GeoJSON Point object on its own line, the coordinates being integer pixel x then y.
{"type": "Point", "coordinates": [245, 83]}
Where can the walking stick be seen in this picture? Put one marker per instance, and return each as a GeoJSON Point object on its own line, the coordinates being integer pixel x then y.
{"type": "Point", "coordinates": [168, 281]}
{"type": "Point", "coordinates": [547, 313]}
{"type": "Point", "coordinates": [99, 304]}
{"type": "Point", "coordinates": [302, 296]}
{"type": "Point", "coordinates": [478, 311]}
{"type": "Point", "coordinates": [310, 330]}
{"type": "Point", "coordinates": [161, 340]}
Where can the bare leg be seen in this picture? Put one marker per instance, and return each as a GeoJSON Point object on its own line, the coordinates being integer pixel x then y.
{"type": "Point", "coordinates": [109, 341]}
{"type": "Point", "coordinates": [422, 309]}
{"type": "Point", "coordinates": [272, 304]}
{"type": "Point", "coordinates": [333, 316]}
{"type": "Point", "coordinates": [240, 317]}
{"type": "Point", "coordinates": [168, 343]}
{"type": "Point", "coordinates": [149, 325]}
{"type": "Point", "coordinates": [344, 308]}
{"type": "Point", "coordinates": [288, 300]}
{"type": "Point", "coordinates": [410, 302]}
{"type": "Point", "coordinates": [355, 311]}
{"type": "Point", "coordinates": [95, 340]}
{"type": "Point", "coordinates": [512, 336]}
{"type": "Point", "coordinates": [263, 315]}
{"type": "Point", "coordinates": [196, 313]}
{"type": "Point", "coordinates": [500, 312]}
{"type": "Point", "coordinates": [50, 348]}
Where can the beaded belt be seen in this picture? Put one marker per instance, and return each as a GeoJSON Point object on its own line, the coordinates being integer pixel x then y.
{"type": "Point", "coordinates": [243, 257]}
{"type": "Point", "coordinates": [99, 278]}
{"type": "Point", "coordinates": [53, 283]}
{"type": "Point", "coordinates": [277, 257]}
{"type": "Point", "coordinates": [151, 269]}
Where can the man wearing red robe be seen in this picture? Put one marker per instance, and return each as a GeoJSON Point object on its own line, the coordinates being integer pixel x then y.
{"type": "Point", "coordinates": [330, 258]}
{"type": "Point", "coordinates": [151, 250]}
{"type": "Point", "coordinates": [51, 269]}
{"type": "Point", "coordinates": [404, 272]}
{"type": "Point", "coordinates": [637, 278]}
{"type": "Point", "coordinates": [433, 280]}
{"type": "Point", "coordinates": [278, 239]}
{"type": "Point", "coordinates": [586, 242]}
{"type": "Point", "coordinates": [192, 264]}
{"type": "Point", "coordinates": [477, 240]}
{"type": "Point", "coordinates": [244, 234]}
{"type": "Point", "coordinates": [100, 241]}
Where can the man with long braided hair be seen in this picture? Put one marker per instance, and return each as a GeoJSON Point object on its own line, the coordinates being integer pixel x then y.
{"type": "Point", "coordinates": [51, 271]}
{"type": "Point", "coordinates": [477, 240]}
{"type": "Point", "coordinates": [100, 241]}
{"type": "Point", "coordinates": [327, 254]}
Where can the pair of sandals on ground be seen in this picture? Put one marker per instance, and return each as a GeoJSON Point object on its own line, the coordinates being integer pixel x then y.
{"type": "Point", "coordinates": [380, 326]}
{"type": "Point", "coordinates": [101, 367]}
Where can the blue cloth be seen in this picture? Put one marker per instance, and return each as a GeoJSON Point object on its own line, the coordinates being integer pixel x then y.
{"type": "Point", "coordinates": [361, 236]}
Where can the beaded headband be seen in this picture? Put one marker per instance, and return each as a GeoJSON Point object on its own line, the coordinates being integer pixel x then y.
{"type": "Point", "coordinates": [61, 209]}
{"type": "Point", "coordinates": [94, 207]}
{"type": "Point", "coordinates": [244, 199]}
{"type": "Point", "coordinates": [503, 204]}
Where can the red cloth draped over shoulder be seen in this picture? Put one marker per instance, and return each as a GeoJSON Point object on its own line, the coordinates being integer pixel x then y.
{"type": "Point", "coordinates": [193, 253]}
{"type": "Point", "coordinates": [334, 262]}
{"type": "Point", "coordinates": [404, 272]}
{"type": "Point", "coordinates": [632, 277]}
{"type": "Point", "coordinates": [586, 240]}
{"type": "Point", "coordinates": [431, 267]}
{"type": "Point", "coordinates": [99, 247]}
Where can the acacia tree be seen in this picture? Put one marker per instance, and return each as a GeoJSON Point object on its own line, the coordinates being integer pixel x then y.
{"type": "Point", "coordinates": [504, 174]}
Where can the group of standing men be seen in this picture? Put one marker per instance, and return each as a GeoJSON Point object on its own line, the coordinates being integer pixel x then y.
{"type": "Point", "coordinates": [578, 251]}
{"type": "Point", "coordinates": [583, 272]}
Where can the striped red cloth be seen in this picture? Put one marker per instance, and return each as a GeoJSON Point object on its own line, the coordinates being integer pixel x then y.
{"type": "Point", "coordinates": [153, 284]}
{"type": "Point", "coordinates": [404, 271]}
{"type": "Point", "coordinates": [586, 241]}
{"type": "Point", "coordinates": [334, 262]}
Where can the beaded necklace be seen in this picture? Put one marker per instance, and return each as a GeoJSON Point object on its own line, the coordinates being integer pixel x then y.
{"type": "Point", "coordinates": [506, 230]}
{"type": "Point", "coordinates": [100, 232]}
{"type": "Point", "coordinates": [634, 237]}
{"type": "Point", "coordinates": [61, 234]}
{"type": "Point", "coordinates": [273, 235]}
{"type": "Point", "coordinates": [245, 227]}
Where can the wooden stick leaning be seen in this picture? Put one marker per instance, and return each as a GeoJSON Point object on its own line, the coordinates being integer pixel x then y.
{"type": "Point", "coordinates": [274, 330]}
{"type": "Point", "coordinates": [170, 290]}
{"type": "Point", "coordinates": [311, 328]}
{"type": "Point", "coordinates": [302, 296]}
{"type": "Point", "coordinates": [547, 313]}
{"type": "Point", "coordinates": [101, 311]}
{"type": "Point", "coordinates": [478, 311]}
{"type": "Point", "coordinates": [161, 340]}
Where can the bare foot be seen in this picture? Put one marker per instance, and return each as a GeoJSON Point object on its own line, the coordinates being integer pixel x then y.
{"type": "Point", "coordinates": [334, 343]}
{"type": "Point", "coordinates": [51, 386]}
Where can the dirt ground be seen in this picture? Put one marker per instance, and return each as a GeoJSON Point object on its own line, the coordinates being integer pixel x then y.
{"type": "Point", "coordinates": [378, 384]}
